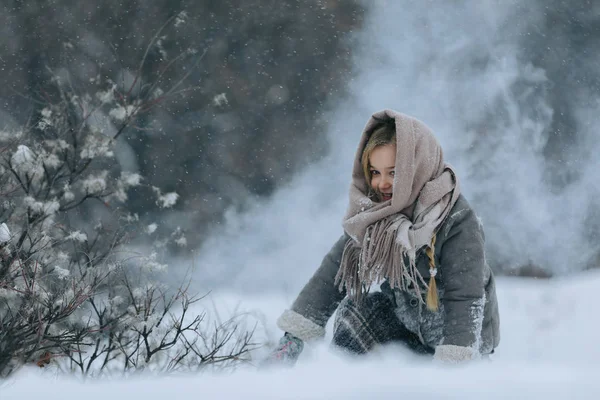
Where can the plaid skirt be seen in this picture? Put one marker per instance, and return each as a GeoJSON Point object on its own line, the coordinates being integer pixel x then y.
{"type": "Point", "coordinates": [358, 328]}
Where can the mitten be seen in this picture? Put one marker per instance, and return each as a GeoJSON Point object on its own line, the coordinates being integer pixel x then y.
{"type": "Point", "coordinates": [287, 351]}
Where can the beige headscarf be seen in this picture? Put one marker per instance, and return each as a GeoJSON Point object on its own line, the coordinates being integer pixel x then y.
{"type": "Point", "coordinates": [386, 236]}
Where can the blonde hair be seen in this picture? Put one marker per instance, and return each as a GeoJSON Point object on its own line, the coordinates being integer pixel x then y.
{"type": "Point", "coordinates": [383, 135]}
{"type": "Point", "coordinates": [432, 294]}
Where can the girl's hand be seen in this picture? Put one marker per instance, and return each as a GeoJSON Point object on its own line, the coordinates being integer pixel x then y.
{"type": "Point", "coordinates": [287, 351]}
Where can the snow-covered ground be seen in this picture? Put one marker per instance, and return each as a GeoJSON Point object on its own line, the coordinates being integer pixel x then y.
{"type": "Point", "coordinates": [549, 350]}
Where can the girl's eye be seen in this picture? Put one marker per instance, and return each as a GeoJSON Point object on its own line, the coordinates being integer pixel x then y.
{"type": "Point", "coordinates": [393, 173]}
{"type": "Point", "coordinates": [373, 172]}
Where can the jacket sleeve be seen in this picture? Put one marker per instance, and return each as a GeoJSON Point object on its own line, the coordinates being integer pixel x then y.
{"type": "Point", "coordinates": [462, 268]}
{"type": "Point", "coordinates": [318, 299]}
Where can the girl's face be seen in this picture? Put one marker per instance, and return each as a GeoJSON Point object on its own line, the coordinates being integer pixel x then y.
{"type": "Point", "coordinates": [382, 167]}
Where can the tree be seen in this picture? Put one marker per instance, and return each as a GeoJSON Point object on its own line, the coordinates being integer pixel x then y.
{"type": "Point", "coordinates": [73, 289]}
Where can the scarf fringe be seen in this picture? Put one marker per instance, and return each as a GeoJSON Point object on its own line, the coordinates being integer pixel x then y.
{"type": "Point", "coordinates": [348, 276]}
{"type": "Point", "coordinates": [377, 260]}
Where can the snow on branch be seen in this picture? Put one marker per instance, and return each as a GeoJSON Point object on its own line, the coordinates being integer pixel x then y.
{"type": "Point", "coordinates": [166, 200]}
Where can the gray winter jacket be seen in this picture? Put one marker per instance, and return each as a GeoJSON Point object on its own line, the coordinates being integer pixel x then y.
{"type": "Point", "coordinates": [468, 314]}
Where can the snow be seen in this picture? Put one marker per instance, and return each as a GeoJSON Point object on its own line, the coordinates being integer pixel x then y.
{"type": "Point", "coordinates": [108, 96]}
{"type": "Point", "coordinates": [150, 229]}
{"type": "Point", "coordinates": [47, 208]}
{"type": "Point", "coordinates": [97, 146]}
{"type": "Point", "coordinates": [181, 241]}
{"type": "Point", "coordinates": [50, 160]}
{"type": "Point", "coordinates": [120, 113]}
{"type": "Point", "coordinates": [62, 273]}
{"type": "Point", "coordinates": [167, 200]}
{"type": "Point", "coordinates": [77, 236]}
{"type": "Point", "coordinates": [95, 184]}
{"type": "Point", "coordinates": [150, 263]}
{"type": "Point", "coordinates": [68, 195]}
{"type": "Point", "coordinates": [23, 159]}
{"type": "Point", "coordinates": [548, 351]}
{"type": "Point", "coordinates": [181, 18]}
{"type": "Point", "coordinates": [4, 233]}
{"type": "Point", "coordinates": [220, 99]}
{"type": "Point", "coordinates": [131, 179]}
{"type": "Point", "coordinates": [332, 380]}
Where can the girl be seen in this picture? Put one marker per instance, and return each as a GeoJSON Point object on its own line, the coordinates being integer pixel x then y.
{"type": "Point", "coordinates": [408, 229]}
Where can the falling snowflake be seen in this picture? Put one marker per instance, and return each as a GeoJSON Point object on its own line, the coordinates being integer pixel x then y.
{"type": "Point", "coordinates": [4, 233]}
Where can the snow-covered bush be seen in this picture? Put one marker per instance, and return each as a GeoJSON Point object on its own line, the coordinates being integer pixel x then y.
{"type": "Point", "coordinates": [73, 291]}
